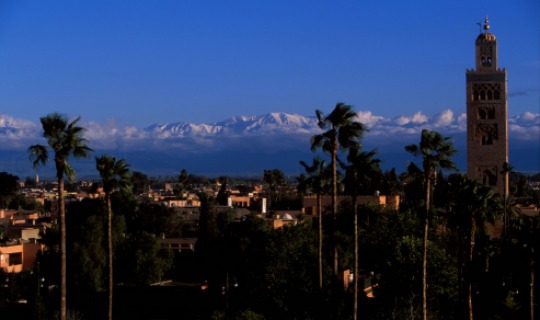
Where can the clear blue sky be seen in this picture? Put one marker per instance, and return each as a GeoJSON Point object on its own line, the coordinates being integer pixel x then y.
{"type": "Point", "coordinates": [145, 62]}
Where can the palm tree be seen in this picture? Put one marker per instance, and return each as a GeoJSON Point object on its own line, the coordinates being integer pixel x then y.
{"type": "Point", "coordinates": [115, 175]}
{"type": "Point", "coordinates": [361, 170]}
{"type": "Point", "coordinates": [342, 133]}
{"type": "Point", "coordinates": [275, 179]}
{"type": "Point", "coordinates": [477, 204]}
{"type": "Point", "coordinates": [65, 139]}
{"type": "Point", "coordinates": [436, 152]}
{"type": "Point", "coordinates": [318, 181]}
{"type": "Point", "coordinates": [527, 234]}
{"type": "Point", "coordinates": [506, 170]}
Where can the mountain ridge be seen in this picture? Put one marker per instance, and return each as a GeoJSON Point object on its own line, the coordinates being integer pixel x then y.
{"type": "Point", "coordinates": [275, 121]}
{"type": "Point", "coordinates": [250, 144]}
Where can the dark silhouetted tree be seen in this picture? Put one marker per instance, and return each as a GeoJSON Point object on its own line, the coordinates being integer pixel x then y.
{"type": "Point", "coordinates": [65, 139]}
{"type": "Point", "coordinates": [342, 132]}
{"type": "Point", "coordinates": [115, 176]}
{"type": "Point", "coordinates": [436, 152]}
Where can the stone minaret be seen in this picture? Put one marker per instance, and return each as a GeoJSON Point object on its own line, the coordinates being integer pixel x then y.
{"type": "Point", "coordinates": [487, 116]}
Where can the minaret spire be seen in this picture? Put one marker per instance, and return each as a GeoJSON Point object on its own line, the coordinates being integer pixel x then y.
{"type": "Point", "coordinates": [486, 24]}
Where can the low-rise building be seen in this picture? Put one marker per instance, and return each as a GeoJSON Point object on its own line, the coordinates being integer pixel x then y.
{"type": "Point", "coordinates": [18, 255]}
{"type": "Point", "coordinates": [23, 229]}
{"type": "Point", "coordinates": [239, 201]}
{"type": "Point", "coordinates": [280, 220]}
{"type": "Point", "coordinates": [179, 244]}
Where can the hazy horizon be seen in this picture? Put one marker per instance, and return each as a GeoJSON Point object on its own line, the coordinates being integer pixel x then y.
{"type": "Point", "coordinates": [245, 146]}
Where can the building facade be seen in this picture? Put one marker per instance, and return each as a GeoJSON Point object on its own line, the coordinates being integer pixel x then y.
{"type": "Point", "coordinates": [487, 116]}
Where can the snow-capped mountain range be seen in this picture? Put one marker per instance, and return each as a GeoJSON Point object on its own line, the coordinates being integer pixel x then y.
{"type": "Point", "coordinates": [447, 121]}
{"type": "Point", "coordinates": [265, 141]}
{"type": "Point", "coordinates": [239, 125]}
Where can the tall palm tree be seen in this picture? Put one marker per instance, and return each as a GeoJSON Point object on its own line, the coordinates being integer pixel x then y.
{"type": "Point", "coordinates": [505, 172]}
{"type": "Point", "coordinates": [361, 169]}
{"type": "Point", "coordinates": [342, 132]}
{"type": "Point", "coordinates": [115, 175]}
{"type": "Point", "coordinates": [318, 181]}
{"type": "Point", "coordinates": [65, 139]}
{"type": "Point", "coordinates": [526, 232]}
{"type": "Point", "coordinates": [436, 152]}
{"type": "Point", "coordinates": [456, 184]}
{"type": "Point", "coordinates": [477, 204]}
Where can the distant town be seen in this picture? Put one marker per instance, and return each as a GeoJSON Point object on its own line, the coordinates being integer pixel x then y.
{"type": "Point", "coordinates": [168, 212]}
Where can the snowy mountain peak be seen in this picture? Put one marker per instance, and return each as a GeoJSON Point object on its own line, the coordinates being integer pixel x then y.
{"type": "Point", "coordinates": [270, 123]}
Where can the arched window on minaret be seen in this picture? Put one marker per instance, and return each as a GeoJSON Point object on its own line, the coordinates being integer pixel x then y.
{"type": "Point", "coordinates": [489, 178]}
{"type": "Point", "coordinates": [482, 113]}
{"type": "Point", "coordinates": [487, 140]}
{"type": "Point", "coordinates": [491, 113]}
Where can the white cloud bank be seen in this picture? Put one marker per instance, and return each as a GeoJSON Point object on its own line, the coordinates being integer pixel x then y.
{"type": "Point", "coordinates": [243, 130]}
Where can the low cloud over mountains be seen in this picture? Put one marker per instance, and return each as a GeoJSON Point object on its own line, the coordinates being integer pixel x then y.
{"type": "Point", "coordinates": [249, 144]}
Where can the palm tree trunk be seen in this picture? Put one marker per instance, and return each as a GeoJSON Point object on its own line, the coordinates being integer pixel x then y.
{"type": "Point", "coordinates": [460, 268]}
{"type": "Point", "coordinates": [355, 279]}
{"type": "Point", "coordinates": [424, 270]}
{"type": "Point", "coordinates": [531, 287]}
{"type": "Point", "coordinates": [505, 217]}
{"type": "Point", "coordinates": [63, 261]}
{"type": "Point", "coordinates": [319, 214]}
{"type": "Point", "coordinates": [469, 268]}
{"type": "Point", "coordinates": [424, 249]}
{"type": "Point", "coordinates": [110, 255]}
{"type": "Point", "coordinates": [334, 208]}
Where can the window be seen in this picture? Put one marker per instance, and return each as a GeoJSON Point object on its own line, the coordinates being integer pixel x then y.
{"type": "Point", "coordinates": [486, 91]}
{"type": "Point", "coordinates": [486, 61]}
{"type": "Point", "coordinates": [482, 114]}
{"type": "Point", "coordinates": [489, 178]}
{"type": "Point", "coordinates": [15, 258]}
{"type": "Point", "coordinates": [486, 112]}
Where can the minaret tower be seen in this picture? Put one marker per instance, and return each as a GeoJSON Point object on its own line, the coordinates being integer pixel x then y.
{"type": "Point", "coordinates": [487, 116]}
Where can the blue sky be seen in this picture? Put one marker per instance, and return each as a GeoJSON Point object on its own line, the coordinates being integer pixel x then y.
{"type": "Point", "coordinates": [145, 62]}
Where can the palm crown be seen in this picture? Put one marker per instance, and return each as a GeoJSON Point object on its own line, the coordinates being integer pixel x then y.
{"type": "Point", "coordinates": [436, 152]}
{"type": "Point", "coordinates": [65, 139]}
{"type": "Point", "coordinates": [114, 173]}
{"type": "Point", "coordinates": [343, 132]}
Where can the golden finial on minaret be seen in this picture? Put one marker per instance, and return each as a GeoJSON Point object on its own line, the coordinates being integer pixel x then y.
{"type": "Point", "coordinates": [486, 24]}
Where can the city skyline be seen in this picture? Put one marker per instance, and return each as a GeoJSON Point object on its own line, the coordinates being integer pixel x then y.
{"type": "Point", "coordinates": [140, 63]}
